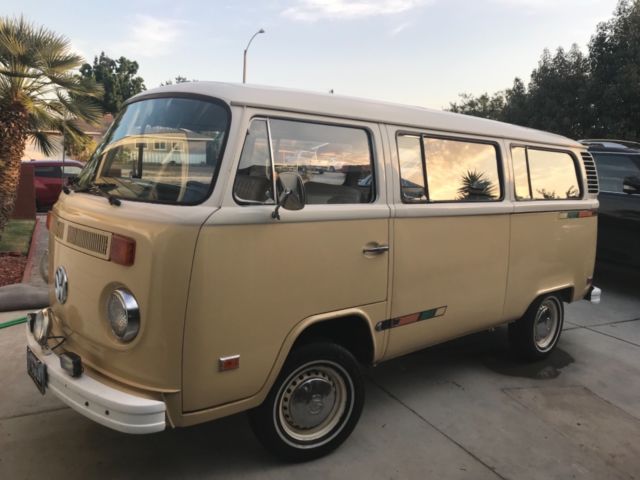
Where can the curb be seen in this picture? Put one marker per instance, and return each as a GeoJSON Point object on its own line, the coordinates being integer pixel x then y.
{"type": "Point", "coordinates": [26, 275]}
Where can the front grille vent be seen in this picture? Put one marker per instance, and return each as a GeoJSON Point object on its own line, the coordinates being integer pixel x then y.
{"type": "Point", "coordinates": [88, 240]}
{"type": "Point", "coordinates": [58, 229]}
{"type": "Point", "coordinates": [592, 174]}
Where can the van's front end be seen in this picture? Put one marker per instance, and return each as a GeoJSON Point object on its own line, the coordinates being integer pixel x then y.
{"type": "Point", "coordinates": [121, 248]}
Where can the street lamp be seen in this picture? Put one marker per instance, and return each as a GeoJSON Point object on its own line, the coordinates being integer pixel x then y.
{"type": "Point", "coordinates": [244, 65]}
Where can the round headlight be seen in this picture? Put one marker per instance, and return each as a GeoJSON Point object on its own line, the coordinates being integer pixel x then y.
{"type": "Point", "coordinates": [41, 327]}
{"type": "Point", "coordinates": [123, 314]}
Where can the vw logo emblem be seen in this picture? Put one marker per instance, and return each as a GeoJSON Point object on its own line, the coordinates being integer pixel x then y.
{"type": "Point", "coordinates": [61, 284]}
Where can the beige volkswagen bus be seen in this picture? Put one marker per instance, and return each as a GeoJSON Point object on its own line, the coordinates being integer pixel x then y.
{"type": "Point", "coordinates": [234, 247]}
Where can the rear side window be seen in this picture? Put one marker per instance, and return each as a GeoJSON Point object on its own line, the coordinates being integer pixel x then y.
{"type": "Point", "coordinates": [544, 175]}
{"type": "Point", "coordinates": [448, 170]}
{"type": "Point", "coordinates": [71, 170]}
{"type": "Point", "coordinates": [334, 162]}
{"type": "Point", "coordinates": [613, 168]}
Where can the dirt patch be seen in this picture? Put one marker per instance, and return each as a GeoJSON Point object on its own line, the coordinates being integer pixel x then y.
{"type": "Point", "coordinates": [11, 268]}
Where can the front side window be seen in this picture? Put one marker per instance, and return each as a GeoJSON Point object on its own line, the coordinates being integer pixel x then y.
{"type": "Point", "coordinates": [135, 162]}
{"type": "Point", "coordinates": [614, 168]}
{"type": "Point", "coordinates": [335, 162]}
{"type": "Point", "coordinates": [456, 170]}
{"type": "Point", "coordinates": [544, 175]}
{"type": "Point", "coordinates": [48, 171]}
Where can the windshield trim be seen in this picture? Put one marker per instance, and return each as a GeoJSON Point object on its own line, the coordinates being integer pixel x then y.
{"type": "Point", "coordinates": [223, 149]}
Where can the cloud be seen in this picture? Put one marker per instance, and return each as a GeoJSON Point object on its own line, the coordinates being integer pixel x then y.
{"type": "Point", "coordinates": [313, 10]}
{"type": "Point", "coordinates": [397, 30]}
{"type": "Point", "coordinates": [150, 36]}
{"type": "Point", "coordinates": [547, 4]}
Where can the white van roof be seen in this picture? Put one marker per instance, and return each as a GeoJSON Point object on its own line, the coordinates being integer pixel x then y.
{"type": "Point", "coordinates": [360, 109]}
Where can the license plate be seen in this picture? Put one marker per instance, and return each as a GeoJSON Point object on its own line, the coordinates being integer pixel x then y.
{"type": "Point", "coordinates": [37, 371]}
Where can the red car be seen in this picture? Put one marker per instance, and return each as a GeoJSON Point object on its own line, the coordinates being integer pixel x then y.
{"type": "Point", "coordinates": [49, 178]}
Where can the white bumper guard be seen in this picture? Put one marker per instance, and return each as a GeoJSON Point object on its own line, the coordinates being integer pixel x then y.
{"type": "Point", "coordinates": [101, 403]}
{"type": "Point", "coordinates": [594, 295]}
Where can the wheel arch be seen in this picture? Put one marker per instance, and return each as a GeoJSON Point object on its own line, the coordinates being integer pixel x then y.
{"type": "Point", "coordinates": [351, 331]}
{"type": "Point", "coordinates": [566, 293]}
{"type": "Point", "coordinates": [331, 326]}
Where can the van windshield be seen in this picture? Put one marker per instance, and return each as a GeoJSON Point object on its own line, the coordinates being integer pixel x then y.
{"type": "Point", "coordinates": [163, 150]}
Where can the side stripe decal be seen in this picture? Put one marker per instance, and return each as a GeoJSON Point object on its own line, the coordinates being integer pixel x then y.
{"type": "Point", "coordinates": [412, 318]}
{"type": "Point", "coordinates": [579, 214]}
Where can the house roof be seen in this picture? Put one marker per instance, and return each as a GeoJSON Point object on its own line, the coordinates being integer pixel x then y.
{"type": "Point", "coordinates": [359, 109]}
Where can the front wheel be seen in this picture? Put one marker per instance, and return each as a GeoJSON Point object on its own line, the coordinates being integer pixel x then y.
{"type": "Point", "coordinates": [314, 404]}
{"type": "Point", "coordinates": [536, 334]}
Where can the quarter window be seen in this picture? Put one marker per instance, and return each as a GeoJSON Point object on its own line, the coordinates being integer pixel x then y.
{"type": "Point", "coordinates": [335, 163]}
{"type": "Point", "coordinates": [411, 169]}
{"type": "Point", "coordinates": [544, 175]}
{"type": "Point", "coordinates": [521, 173]}
{"type": "Point", "coordinates": [254, 180]}
{"type": "Point", "coordinates": [456, 170]}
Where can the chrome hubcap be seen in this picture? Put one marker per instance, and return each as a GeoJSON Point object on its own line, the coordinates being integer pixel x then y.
{"type": "Point", "coordinates": [546, 324]}
{"type": "Point", "coordinates": [312, 402]}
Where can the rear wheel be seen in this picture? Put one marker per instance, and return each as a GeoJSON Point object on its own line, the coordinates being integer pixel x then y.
{"type": "Point", "coordinates": [314, 404]}
{"type": "Point", "coordinates": [536, 334]}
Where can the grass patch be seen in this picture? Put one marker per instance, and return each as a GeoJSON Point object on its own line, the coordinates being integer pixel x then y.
{"type": "Point", "coordinates": [17, 236]}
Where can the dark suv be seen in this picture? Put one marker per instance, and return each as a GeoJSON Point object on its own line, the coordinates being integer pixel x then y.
{"type": "Point", "coordinates": [618, 166]}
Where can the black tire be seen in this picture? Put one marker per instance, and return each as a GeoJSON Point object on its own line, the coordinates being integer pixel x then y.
{"type": "Point", "coordinates": [332, 373]}
{"type": "Point", "coordinates": [536, 334]}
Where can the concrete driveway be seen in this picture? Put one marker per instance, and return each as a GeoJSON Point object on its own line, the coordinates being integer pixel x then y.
{"type": "Point", "coordinates": [465, 409]}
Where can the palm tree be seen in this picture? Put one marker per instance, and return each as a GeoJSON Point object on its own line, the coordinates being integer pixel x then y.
{"type": "Point", "coordinates": [476, 187]}
{"type": "Point", "coordinates": [40, 92]}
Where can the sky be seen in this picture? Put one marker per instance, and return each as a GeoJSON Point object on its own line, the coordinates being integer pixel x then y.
{"type": "Point", "coordinates": [416, 52]}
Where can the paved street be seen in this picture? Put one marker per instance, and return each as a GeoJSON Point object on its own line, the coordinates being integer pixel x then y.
{"type": "Point", "coordinates": [461, 410]}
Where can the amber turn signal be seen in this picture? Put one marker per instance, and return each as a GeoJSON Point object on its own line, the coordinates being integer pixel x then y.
{"type": "Point", "coordinates": [123, 250]}
{"type": "Point", "coordinates": [49, 219]}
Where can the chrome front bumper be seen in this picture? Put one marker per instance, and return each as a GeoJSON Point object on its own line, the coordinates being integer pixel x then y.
{"type": "Point", "coordinates": [101, 403]}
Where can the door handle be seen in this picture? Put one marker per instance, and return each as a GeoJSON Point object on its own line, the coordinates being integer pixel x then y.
{"type": "Point", "coordinates": [375, 249]}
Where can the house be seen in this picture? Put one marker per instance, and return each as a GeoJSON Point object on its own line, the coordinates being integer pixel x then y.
{"type": "Point", "coordinates": [32, 152]}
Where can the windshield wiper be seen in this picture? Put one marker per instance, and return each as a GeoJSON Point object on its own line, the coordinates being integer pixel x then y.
{"type": "Point", "coordinates": [97, 188]}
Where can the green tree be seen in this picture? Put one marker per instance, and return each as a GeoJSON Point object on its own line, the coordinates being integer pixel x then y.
{"type": "Point", "coordinates": [80, 148]}
{"type": "Point", "coordinates": [614, 61]}
{"type": "Point", "coordinates": [118, 78]}
{"type": "Point", "coordinates": [178, 79]}
{"type": "Point", "coordinates": [39, 93]}
{"type": "Point", "coordinates": [485, 106]}
{"type": "Point", "coordinates": [516, 104]}
{"type": "Point", "coordinates": [558, 93]}
{"type": "Point", "coordinates": [577, 95]}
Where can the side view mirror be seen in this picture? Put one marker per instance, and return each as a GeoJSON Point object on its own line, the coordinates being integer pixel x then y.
{"type": "Point", "coordinates": [631, 185]}
{"type": "Point", "coordinates": [292, 196]}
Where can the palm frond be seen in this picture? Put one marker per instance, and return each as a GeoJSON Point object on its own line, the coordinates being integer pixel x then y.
{"type": "Point", "coordinates": [44, 144]}
{"type": "Point", "coordinates": [38, 70]}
